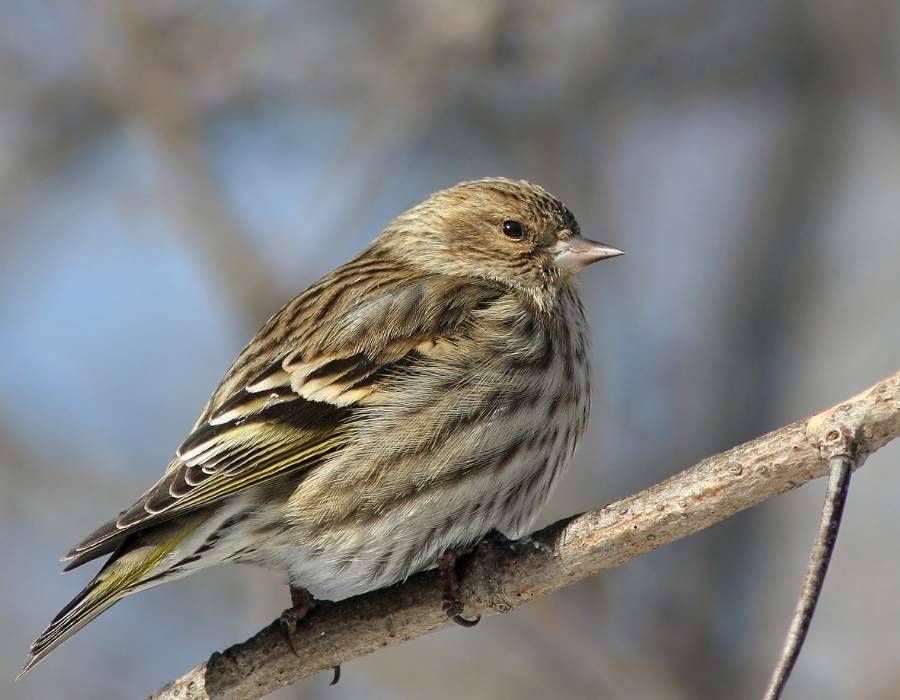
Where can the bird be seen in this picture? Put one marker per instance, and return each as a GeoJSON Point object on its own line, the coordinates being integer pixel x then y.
{"type": "Point", "coordinates": [422, 395]}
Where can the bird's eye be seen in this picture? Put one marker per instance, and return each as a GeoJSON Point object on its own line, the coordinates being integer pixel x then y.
{"type": "Point", "coordinates": [513, 229]}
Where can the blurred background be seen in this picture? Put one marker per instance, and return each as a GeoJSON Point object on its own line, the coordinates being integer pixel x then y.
{"type": "Point", "coordinates": [171, 172]}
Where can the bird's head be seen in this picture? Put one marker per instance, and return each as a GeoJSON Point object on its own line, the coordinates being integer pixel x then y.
{"type": "Point", "coordinates": [507, 231]}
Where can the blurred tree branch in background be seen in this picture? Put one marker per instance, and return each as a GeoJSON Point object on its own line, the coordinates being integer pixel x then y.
{"type": "Point", "coordinates": [187, 189]}
{"type": "Point", "coordinates": [501, 575]}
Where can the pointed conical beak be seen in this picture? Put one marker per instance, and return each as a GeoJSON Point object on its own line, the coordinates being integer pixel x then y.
{"type": "Point", "coordinates": [577, 253]}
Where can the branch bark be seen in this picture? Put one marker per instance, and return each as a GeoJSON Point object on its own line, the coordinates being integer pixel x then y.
{"type": "Point", "coordinates": [501, 575]}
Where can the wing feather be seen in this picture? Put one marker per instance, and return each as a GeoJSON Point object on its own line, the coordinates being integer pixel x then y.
{"type": "Point", "coordinates": [287, 413]}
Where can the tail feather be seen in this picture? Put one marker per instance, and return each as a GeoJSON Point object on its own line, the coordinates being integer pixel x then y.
{"type": "Point", "coordinates": [126, 572]}
{"type": "Point", "coordinates": [105, 539]}
{"type": "Point", "coordinates": [81, 610]}
{"type": "Point", "coordinates": [76, 558]}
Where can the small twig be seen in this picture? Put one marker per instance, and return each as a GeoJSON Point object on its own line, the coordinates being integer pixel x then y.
{"type": "Point", "coordinates": [819, 559]}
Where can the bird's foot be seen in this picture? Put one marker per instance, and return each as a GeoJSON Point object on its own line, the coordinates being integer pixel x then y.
{"type": "Point", "coordinates": [302, 603]}
{"type": "Point", "coordinates": [450, 603]}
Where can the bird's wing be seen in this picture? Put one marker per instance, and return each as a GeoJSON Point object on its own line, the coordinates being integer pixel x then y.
{"type": "Point", "coordinates": [300, 407]}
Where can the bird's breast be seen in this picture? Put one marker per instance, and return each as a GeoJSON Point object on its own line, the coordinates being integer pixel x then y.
{"type": "Point", "coordinates": [465, 442]}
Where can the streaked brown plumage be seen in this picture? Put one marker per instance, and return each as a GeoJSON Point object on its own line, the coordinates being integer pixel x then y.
{"type": "Point", "coordinates": [430, 390]}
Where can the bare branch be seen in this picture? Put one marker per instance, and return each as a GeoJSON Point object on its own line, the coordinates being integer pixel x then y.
{"type": "Point", "coordinates": [819, 558]}
{"type": "Point", "coordinates": [501, 575]}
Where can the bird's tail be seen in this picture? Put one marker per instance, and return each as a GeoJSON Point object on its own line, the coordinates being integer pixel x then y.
{"type": "Point", "coordinates": [132, 568]}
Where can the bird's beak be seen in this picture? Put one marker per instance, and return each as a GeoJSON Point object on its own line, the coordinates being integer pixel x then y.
{"type": "Point", "coordinates": [576, 253]}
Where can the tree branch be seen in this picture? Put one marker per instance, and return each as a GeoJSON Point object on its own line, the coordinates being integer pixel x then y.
{"type": "Point", "coordinates": [819, 559]}
{"type": "Point", "coordinates": [501, 575]}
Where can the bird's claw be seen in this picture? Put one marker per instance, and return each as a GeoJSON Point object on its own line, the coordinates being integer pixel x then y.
{"type": "Point", "coordinates": [450, 603]}
{"type": "Point", "coordinates": [287, 623]}
{"type": "Point", "coordinates": [465, 621]}
{"type": "Point", "coordinates": [302, 603]}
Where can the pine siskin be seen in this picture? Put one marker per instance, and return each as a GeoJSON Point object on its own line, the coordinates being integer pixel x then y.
{"type": "Point", "coordinates": [428, 391]}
